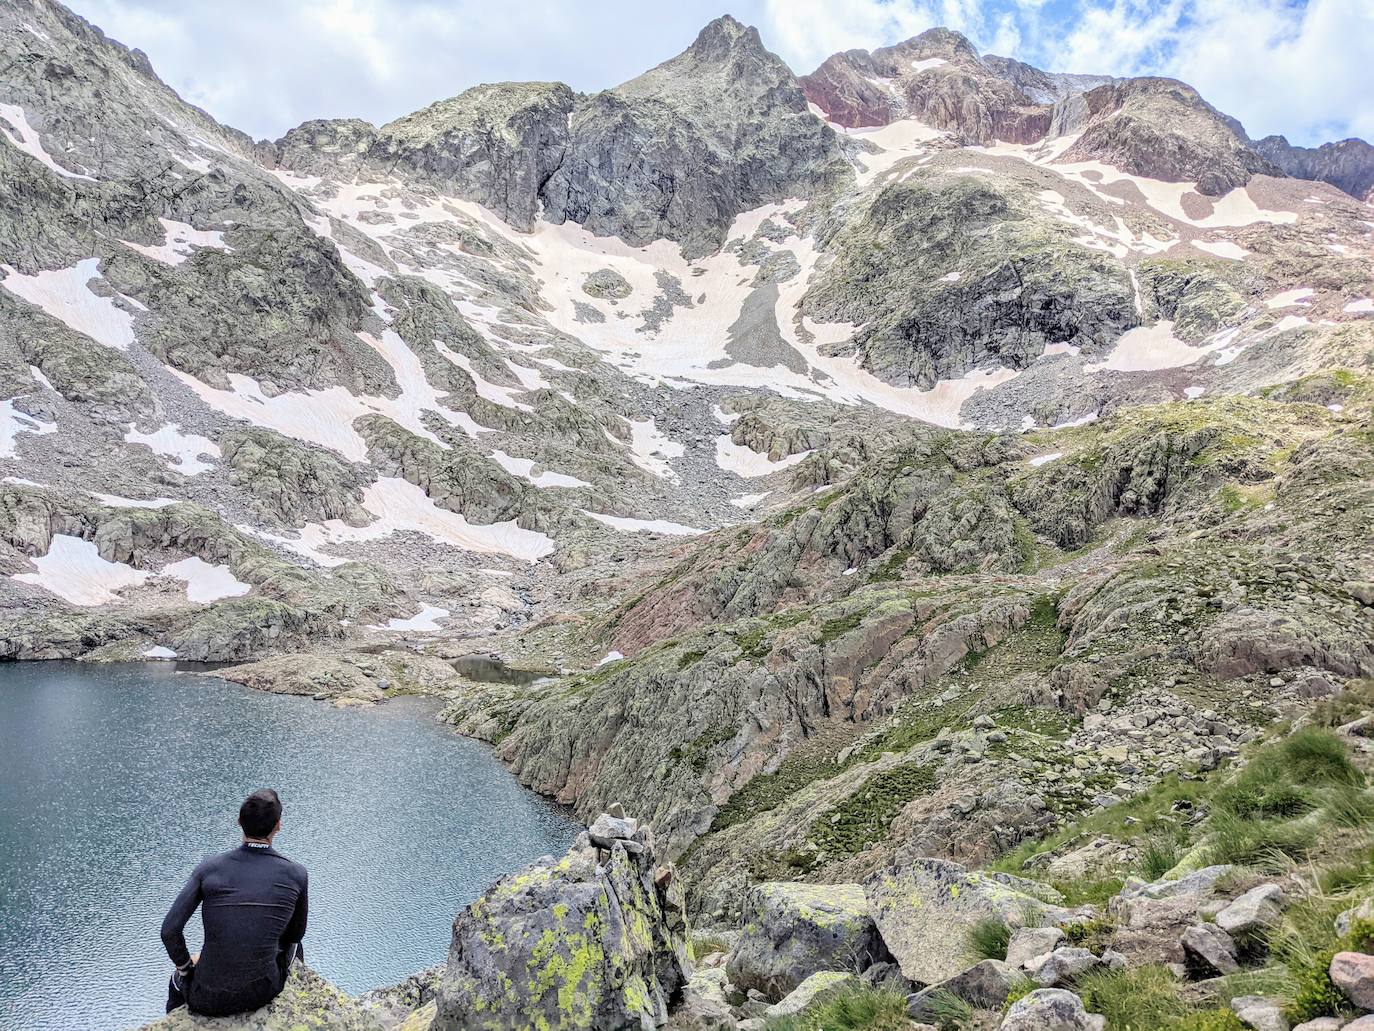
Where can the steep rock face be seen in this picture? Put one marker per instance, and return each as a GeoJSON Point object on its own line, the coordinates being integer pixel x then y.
{"type": "Point", "coordinates": [88, 97]}
{"type": "Point", "coordinates": [1160, 129]}
{"type": "Point", "coordinates": [937, 78]}
{"type": "Point", "coordinates": [1347, 165]}
{"type": "Point", "coordinates": [948, 272]}
{"type": "Point", "coordinates": [325, 146]}
{"type": "Point", "coordinates": [594, 940]}
{"type": "Point", "coordinates": [292, 483]}
{"type": "Point", "coordinates": [494, 144]}
{"type": "Point", "coordinates": [1039, 86]}
{"type": "Point", "coordinates": [674, 154]}
{"type": "Point", "coordinates": [681, 150]}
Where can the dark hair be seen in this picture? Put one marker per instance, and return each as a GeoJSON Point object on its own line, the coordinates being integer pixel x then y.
{"type": "Point", "coordinates": [259, 813]}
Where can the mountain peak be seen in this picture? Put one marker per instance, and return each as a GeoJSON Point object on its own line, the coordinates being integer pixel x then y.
{"type": "Point", "coordinates": [941, 42]}
{"type": "Point", "coordinates": [720, 38]}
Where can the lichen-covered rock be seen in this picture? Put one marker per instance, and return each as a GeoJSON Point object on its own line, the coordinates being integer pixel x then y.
{"type": "Point", "coordinates": [793, 930]}
{"type": "Point", "coordinates": [1063, 966]}
{"type": "Point", "coordinates": [924, 911]}
{"type": "Point", "coordinates": [810, 991]}
{"type": "Point", "coordinates": [307, 1003]}
{"type": "Point", "coordinates": [1051, 1009]}
{"type": "Point", "coordinates": [596, 940]}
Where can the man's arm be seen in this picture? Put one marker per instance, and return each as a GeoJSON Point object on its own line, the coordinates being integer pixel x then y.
{"type": "Point", "coordinates": [295, 930]}
{"type": "Point", "coordinates": [174, 923]}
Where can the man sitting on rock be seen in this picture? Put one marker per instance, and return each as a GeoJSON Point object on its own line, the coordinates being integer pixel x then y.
{"type": "Point", "coordinates": [253, 907]}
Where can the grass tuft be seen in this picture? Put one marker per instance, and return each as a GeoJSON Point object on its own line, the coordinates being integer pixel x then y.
{"type": "Point", "coordinates": [988, 938]}
{"type": "Point", "coordinates": [853, 1008]}
{"type": "Point", "coordinates": [1144, 998]}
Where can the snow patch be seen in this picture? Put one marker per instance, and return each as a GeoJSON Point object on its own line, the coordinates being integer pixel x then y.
{"type": "Point", "coordinates": [1040, 460]}
{"type": "Point", "coordinates": [1363, 306]}
{"type": "Point", "coordinates": [399, 505]}
{"type": "Point", "coordinates": [115, 501]}
{"type": "Point", "coordinates": [651, 450]}
{"type": "Point", "coordinates": [663, 526]}
{"type": "Point", "coordinates": [159, 652]}
{"type": "Point", "coordinates": [1150, 348]}
{"type": "Point", "coordinates": [14, 422]}
{"type": "Point", "coordinates": [1193, 393]}
{"type": "Point", "coordinates": [748, 463]}
{"type": "Point", "coordinates": [184, 449]}
{"type": "Point", "coordinates": [30, 142]}
{"type": "Point", "coordinates": [749, 501]}
{"type": "Point", "coordinates": [64, 295]}
{"type": "Point", "coordinates": [73, 569]}
{"type": "Point", "coordinates": [206, 582]}
{"type": "Point", "coordinates": [524, 468]}
{"type": "Point", "coordinates": [609, 657]}
{"type": "Point", "coordinates": [1221, 248]}
{"type": "Point", "coordinates": [927, 63]}
{"type": "Point", "coordinates": [1289, 298]}
{"type": "Point", "coordinates": [426, 619]}
{"type": "Point", "coordinates": [181, 241]}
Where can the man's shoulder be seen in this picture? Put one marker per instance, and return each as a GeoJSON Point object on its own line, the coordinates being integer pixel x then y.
{"type": "Point", "coordinates": [297, 870]}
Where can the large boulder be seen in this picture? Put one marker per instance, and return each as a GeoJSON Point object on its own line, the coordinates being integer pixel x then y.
{"type": "Point", "coordinates": [791, 931]}
{"type": "Point", "coordinates": [925, 909]}
{"type": "Point", "coordinates": [596, 939]}
{"type": "Point", "coordinates": [307, 1003]}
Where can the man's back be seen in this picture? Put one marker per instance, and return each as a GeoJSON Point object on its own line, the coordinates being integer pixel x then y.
{"type": "Point", "coordinates": [254, 905]}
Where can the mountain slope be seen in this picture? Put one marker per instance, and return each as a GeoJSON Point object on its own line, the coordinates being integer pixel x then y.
{"type": "Point", "coordinates": [847, 448]}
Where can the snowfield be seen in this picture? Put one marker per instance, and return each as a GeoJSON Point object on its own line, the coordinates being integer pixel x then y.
{"type": "Point", "coordinates": [65, 295]}
{"type": "Point", "coordinates": [73, 570]}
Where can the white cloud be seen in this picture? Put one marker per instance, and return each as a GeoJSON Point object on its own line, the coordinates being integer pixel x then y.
{"type": "Point", "coordinates": [1294, 66]}
{"type": "Point", "coordinates": [806, 32]}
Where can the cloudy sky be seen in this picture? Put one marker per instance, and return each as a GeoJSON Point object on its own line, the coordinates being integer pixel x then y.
{"type": "Point", "coordinates": [1300, 67]}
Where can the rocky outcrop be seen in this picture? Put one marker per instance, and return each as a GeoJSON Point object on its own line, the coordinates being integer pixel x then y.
{"type": "Point", "coordinates": [290, 483]}
{"type": "Point", "coordinates": [921, 907]}
{"type": "Point", "coordinates": [307, 1003]}
{"type": "Point", "coordinates": [1051, 1009]}
{"type": "Point", "coordinates": [936, 78]}
{"type": "Point", "coordinates": [681, 150]}
{"type": "Point", "coordinates": [792, 931]}
{"type": "Point", "coordinates": [1160, 129]}
{"type": "Point", "coordinates": [1347, 165]}
{"type": "Point", "coordinates": [595, 940]}
{"type": "Point", "coordinates": [948, 272]}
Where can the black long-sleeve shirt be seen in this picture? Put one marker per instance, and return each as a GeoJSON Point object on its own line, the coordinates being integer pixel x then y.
{"type": "Point", "coordinates": [253, 904]}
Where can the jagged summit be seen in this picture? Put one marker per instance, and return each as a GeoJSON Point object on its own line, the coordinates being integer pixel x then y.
{"type": "Point", "coordinates": [722, 37]}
